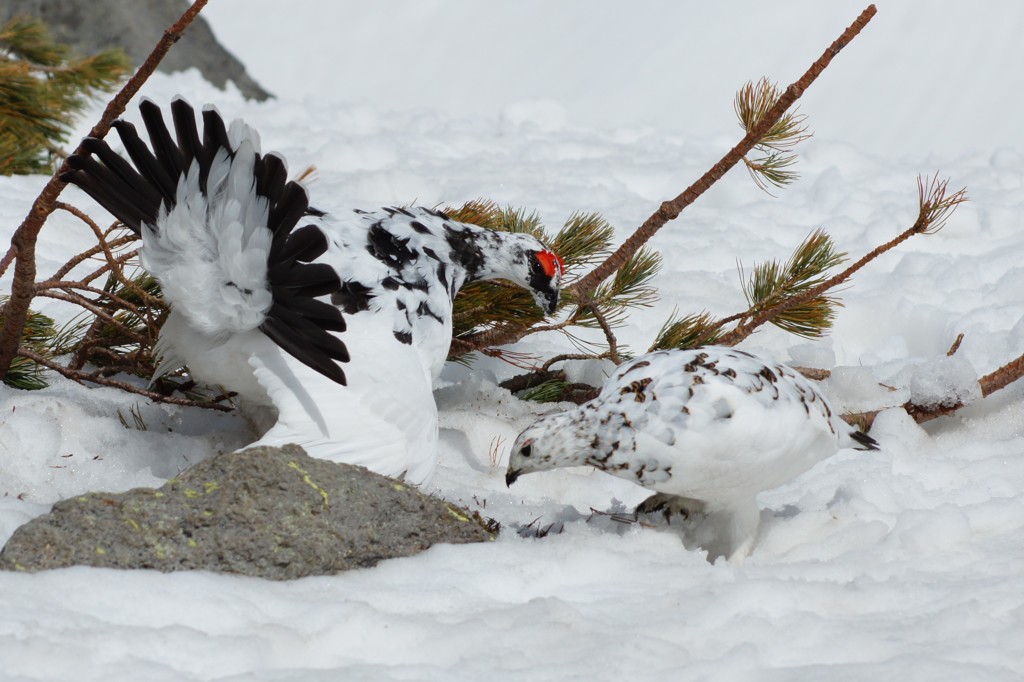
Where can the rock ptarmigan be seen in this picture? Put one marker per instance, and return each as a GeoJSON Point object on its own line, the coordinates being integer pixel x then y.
{"type": "Point", "coordinates": [707, 429]}
{"type": "Point", "coordinates": [339, 326]}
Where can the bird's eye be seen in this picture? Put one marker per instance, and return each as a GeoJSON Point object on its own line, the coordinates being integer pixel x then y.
{"type": "Point", "coordinates": [536, 266]}
{"type": "Point", "coordinates": [526, 450]}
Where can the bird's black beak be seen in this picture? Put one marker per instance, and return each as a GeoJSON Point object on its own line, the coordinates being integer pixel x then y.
{"type": "Point", "coordinates": [511, 477]}
{"type": "Point", "coordinates": [550, 303]}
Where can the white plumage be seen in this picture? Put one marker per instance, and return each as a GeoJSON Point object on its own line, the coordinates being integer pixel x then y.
{"type": "Point", "coordinates": [273, 311]}
{"type": "Point", "coordinates": [707, 429]}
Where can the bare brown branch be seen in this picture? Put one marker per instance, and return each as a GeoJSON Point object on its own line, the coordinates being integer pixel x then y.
{"type": "Point", "coordinates": [669, 210]}
{"type": "Point", "coordinates": [97, 378]}
{"type": "Point", "coordinates": [956, 345]}
{"type": "Point", "coordinates": [613, 345]}
{"type": "Point", "coordinates": [989, 384]}
{"type": "Point", "coordinates": [585, 286]}
{"type": "Point", "coordinates": [935, 208]}
{"type": "Point", "coordinates": [15, 313]}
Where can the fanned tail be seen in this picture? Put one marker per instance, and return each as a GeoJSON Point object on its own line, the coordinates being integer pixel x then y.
{"type": "Point", "coordinates": [863, 440]}
{"type": "Point", "coordinates": [218, 221]}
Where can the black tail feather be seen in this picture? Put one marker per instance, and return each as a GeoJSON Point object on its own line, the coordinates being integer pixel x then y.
{"type": "Point", "coordinates": [271, 178]}
{"type": "Point", "coordinates": [134, 193]}
{"type": "Point", "coordinates": [324, 315]}
{"type": "Point", "coordinates": [121, 199]}
{"type": "Point", "coordinates": [166, 151]}
{"type": "Point", "coordinates": [865, 441]}
{"type": "Point", "coordinates": [305, 244]}
{"type": "Point", "coordinates": [285, 336]}
{"type": "Point", "coordinates": [146, 196]}
{"type": "Point", "coordinates": [147, 164]}
{"type": "Point", "coordinates": [188, 137]}
{"type": "Point", "coordinates": [304, 279]}
{"type": "Point", "coordinates": [215, 133]}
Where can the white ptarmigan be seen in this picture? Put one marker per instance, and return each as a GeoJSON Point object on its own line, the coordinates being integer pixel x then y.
{"type": "Point", "coordinates": [707, 429]}
{"type": "Point", "coordinates": [269, 309]}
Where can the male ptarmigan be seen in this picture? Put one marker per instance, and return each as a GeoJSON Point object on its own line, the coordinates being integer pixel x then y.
{"type": "Point", "coordinates": [269, 309]}
{"type": "Point", "coordinates": [707, 429]}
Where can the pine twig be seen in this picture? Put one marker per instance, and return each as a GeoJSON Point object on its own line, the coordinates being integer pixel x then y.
{"type": "Point", "coordinates": [613, 345]}
{"type": "Point", "coordinates": [956, 345]}
{"type": "Point", "coordinates": [8, 258]}
{"type": "Point", "coordinates": [522, 382]}
{"type": "Point", "coordinates": [97, 378]}
{"type": "Point", "coordinates": [669, 210]}
{"type": "Point", "coordinates": [935, 207]}
{"type": "Point", "coordinates": [101, 241]}
{"type": "Point", "coordinates": [15, 313]}
{"type": "Point", "coordinates": [584, 287]}
{"type": "Point", "coordinates": [1002, 377]}
{"type": "Point", "coordinates": [568, 356]}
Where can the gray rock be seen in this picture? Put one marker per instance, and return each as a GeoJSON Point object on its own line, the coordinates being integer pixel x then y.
{"type": "Point", "coordinates": [268, 512]}
{"type": "Point", "coordinates": [136, 26]}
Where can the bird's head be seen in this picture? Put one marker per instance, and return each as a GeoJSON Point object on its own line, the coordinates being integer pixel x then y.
{"type": "Point", "coordinates": [545, 278]}
{"type": "Point", "coordinates": [515, 256]}
{"type": "Point", "coordinates": [551, 442]}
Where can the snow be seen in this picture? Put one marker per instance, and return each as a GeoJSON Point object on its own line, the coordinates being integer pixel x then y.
{"type": "Point", "coordinates": [906, 563]}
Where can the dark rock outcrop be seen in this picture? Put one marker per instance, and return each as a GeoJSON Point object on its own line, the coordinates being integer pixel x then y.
{"type": "Point", "coordinates": [268, 512]}
{"type": "Point", "coordinates": [136, 26]}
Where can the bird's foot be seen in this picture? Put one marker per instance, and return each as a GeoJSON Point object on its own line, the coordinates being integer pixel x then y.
{"type": "Point", "coordinates": [670, 505]}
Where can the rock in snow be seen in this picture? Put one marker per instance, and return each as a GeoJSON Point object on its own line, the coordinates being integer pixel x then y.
{"type": "Point", "coordinates": [135, 27]}
{"type": "Point", "coordinates": [266, 512]}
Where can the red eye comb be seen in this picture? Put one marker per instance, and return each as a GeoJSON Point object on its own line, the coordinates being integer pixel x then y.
{"type": "Point", "coordinates": [551, 262]}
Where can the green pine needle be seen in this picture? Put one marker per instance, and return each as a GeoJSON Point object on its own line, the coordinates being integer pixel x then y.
{"type": "Point", "coordinates": [773, 168]}
{"type": "Point", "coordinates": [773, 283]}
{"type": "Point", "coordinates": [584, 240]}
{"type": "Point", "coordinates": [629, 288]}
{"type": "Point", "coordinates": [37, 336]}
{"type": "Point", "coordinates": [686, 332]}
{"type": "Point", "coordinates": [41, 90]}
{"type": "Point", "coordinates": [752, 104]}
{"type": "Point", "coordinates": [548, 392]}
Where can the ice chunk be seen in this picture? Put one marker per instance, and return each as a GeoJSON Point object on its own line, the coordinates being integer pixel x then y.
{"type": "Point", "coordinates": [858, 389]}
{"type": "Point", "coordinates": [944, 382]}
{"type": "Point", "coordinates": [812, 355]}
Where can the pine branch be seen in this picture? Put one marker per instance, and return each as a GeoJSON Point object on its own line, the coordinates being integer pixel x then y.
{"type": "Point", "coordinates": [772, 169]}
{"type": "Point", "coordinates": [772, 284]}
{"type": "Point", "coordinates": [989, 384]}
{"type": "Point", "coordinates": [15, 312]}
{"type": "Point", "coordinates": [82, 377]}
{"type": "Point", "coordinates": [629, 288]}
{"type": "Point", "coordinates": [41, 89]}
{"type": "Point", "coordinates": [609, 335]}
{"type": "Point", "coordinates": [935, 206]}
{"type": "Point", "coordinates": [38, 332]}
{"type": "Point", "coordinates": [671, 209]}
{"type": "Point", "coordinates": [589, 288]}
{"type": "Point", "coordinates": [685, 332]}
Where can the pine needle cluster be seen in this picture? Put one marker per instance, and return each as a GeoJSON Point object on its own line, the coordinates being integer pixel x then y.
{"type": "Point", "coordinates": [123, 339]}
{"type": "Point", "coordinates": [38, 336]}
{"type": "Point", "coordinates": [772, 283]}
{"type": "Point", "coordinates": [687, 332]}
{"type": "Point", "coordinates": [42, 87]}
{"type": "Point", "coordinates": [774, 168]}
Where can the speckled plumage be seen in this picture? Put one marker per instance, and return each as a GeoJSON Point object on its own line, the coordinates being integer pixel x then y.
{"type": "Point", "coordinates": [337, 323]}
{"type": "Point", "coordinates": [708, 429]}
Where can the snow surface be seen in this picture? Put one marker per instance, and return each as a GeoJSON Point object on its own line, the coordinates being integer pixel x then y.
{"type": "Point", "coordinates": [906, 563]}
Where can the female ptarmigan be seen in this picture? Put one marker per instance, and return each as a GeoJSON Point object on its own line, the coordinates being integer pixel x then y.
{"type": "Point", "coordinates": [269, 309]}
{"type": "Point", "coordinates": [707, 429]}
